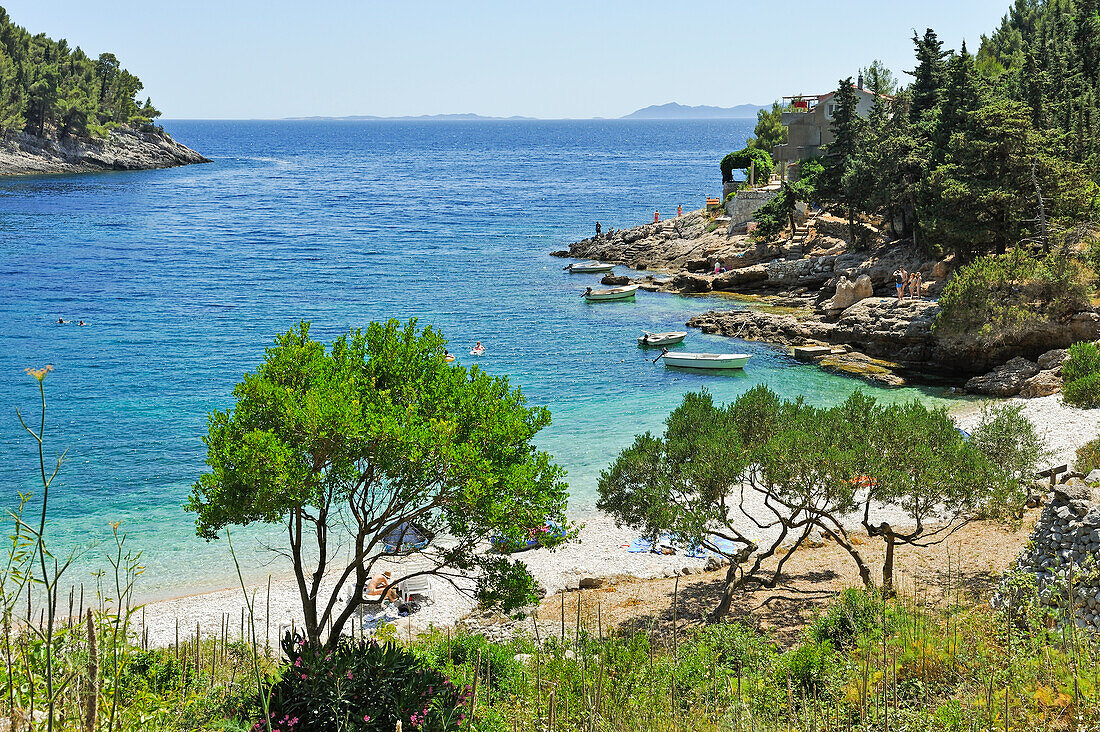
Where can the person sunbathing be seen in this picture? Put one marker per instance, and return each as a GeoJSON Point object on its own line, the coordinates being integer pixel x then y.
{"type": "Point", "coordinates": [377, 586]}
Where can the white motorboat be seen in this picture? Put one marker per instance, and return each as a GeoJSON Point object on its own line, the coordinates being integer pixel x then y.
{"type": "Point", "coordinates": [705, 360]}
{"type": "Point", "coordinates": [662, 339]}
{"type": "Point", "coordinates": [626, 292]}
{"type": "Point", "coordinates": [592, 267]}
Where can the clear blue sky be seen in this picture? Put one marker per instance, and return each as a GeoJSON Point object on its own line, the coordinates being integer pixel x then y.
{"type": "Point", "coordinates": [239, 59]}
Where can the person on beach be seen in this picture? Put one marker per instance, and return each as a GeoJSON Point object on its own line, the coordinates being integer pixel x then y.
{"type": "Point", "coordinates": [597, 229]}
{"type": "Point", "coordinates": [901, 279]}
{"type": "Point", "coordinates": [656, 216]}
{"type": "Point", "coordinates": [679, 209]}
{"type": "Point", "coordinates": [915, 282]}
{"type": "Point", "coordinates": [377, 586]}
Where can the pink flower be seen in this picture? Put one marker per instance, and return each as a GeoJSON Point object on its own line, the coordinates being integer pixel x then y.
{"type": "Point", "coordinates": [297, 662]}
{"type": "Point", "coordinates": [366, 717]}
{"type": "Point", "coordinates": [350, 675]}
{"type": "Point", "coordinates": [303, 676]}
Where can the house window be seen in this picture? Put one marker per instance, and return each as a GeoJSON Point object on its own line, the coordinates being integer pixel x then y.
{"type": "Point", "coordinates": [830, 109]}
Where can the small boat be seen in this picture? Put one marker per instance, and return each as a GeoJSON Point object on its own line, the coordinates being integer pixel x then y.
{"type": "Point", "coordinates": [706, 360]}
{"type": "Point", "coordinates": [626, 292]}
{"type": "Point", "coordinates": [662, 339]}
{"type": "Point", "coordinates": [592, 267]}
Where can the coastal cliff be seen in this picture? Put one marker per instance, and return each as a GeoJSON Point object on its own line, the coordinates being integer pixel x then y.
{"type": "Point", "coordinates": [124, 149]}
{"type": "Point", "coordinates": [818, 290]}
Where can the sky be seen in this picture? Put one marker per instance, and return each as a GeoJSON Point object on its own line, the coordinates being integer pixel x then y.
{"type": "Point", "coordinates": [268, 59]}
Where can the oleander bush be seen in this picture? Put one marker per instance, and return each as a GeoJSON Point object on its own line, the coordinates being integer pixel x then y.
{"type": "Point", "coordinates": [361, 685]}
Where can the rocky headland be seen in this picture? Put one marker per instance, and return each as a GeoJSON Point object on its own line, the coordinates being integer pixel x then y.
{"type": "Point", "coordinates": [833, 303]}
{"type": "Point", "coordinates": [123, 149]}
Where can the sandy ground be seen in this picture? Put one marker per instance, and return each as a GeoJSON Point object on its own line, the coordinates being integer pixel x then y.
{"type": "Point", "coordinates": [600, 553]}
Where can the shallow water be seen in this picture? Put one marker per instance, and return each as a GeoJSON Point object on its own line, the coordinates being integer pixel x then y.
{"type": "Point", "coordinates": [184, 276]}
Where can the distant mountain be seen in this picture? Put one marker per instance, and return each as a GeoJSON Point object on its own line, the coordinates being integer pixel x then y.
{"type": "Point", "coordinates": [428, 117]}
{"type": "Point", "coordinates": [672, 110]}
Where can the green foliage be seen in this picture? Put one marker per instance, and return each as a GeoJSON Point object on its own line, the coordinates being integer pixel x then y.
{"type": "Point", "coordinates": [743, 159]}
{"type": "Point", "coordinates": [769, 131]}
{"type": "Point", "coordinates": [498, 665]}
{"type": "Point", "coordinates": [995, 298]}
{"type": "Point", "coordinates": [1081, 374]}
{"type": "Point", "coordinates": [48, 89]}
{"type": "Point", "coordinates": [810, 669]}
{"type": "Point", "coordinates": [1013, 448]}
{"type": "Point", "coordinates": [855, 613]}
{"type": "Point", "coordinates": [361, 685]}
{"type": "Point", "coordinates": [1087, 458]}
{"type": "Point", "coordinates": [850, 459]}
{"type": "Point", "coordinates": [376, 431]}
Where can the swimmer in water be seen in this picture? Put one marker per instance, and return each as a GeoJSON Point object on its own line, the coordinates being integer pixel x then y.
{"type": "Point", "coordinates": [61, 321]}
{"type": "Point", "coordinates": [81, 323]}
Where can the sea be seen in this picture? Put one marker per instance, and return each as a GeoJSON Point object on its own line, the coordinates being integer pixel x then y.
{"type": "Point", "coordinates": [184, 276]}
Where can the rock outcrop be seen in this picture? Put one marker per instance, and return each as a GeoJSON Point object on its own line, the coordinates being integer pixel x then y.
{"type": "Point", "coordinates": [848, 293]}
{"type": "Point", "coordinates": [1006, 380]}
{"type": "Point", "coordinates": [124, 149]}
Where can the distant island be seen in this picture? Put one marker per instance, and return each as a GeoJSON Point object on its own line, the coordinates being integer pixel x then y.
{"type": "Point", "coordinates": [672, 110]}
{"type": "Point", "coordinates": [62, 111]}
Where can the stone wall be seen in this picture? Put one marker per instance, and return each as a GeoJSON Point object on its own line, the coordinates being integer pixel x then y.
{"type": "Point", "coordinates": [747, 202]}
{"type": "Point", "coordinates": [1062, 553]}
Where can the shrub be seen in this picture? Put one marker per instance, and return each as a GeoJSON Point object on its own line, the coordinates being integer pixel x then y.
{"type": "Point", "coordinates": [361, 686]}
{"type": "Point", "coordinates": [811, 669]}
{"type": "Point", "coordinates": [735, 645]}
{"type": "Point", "coordinates": [743, 159]}
{"type": "Point", "coordinates": [1081, 372]}
{"type": "Point", "coordinates": [1088, 457]}
{"type": "Point", "coordinates": [1014, 449]}
{"type": "Point", "coordinates": [855, 613]}
{"type": "Point", "coordinates": [997, 298]}
{"type": "Point", "coordinates": [497, 663]}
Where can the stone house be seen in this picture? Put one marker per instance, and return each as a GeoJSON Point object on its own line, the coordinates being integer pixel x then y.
{"type": "Point", "coordinates": [807, 120]}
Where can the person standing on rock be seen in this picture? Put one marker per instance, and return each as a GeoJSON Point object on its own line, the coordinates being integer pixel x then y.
{"type": "Point", "coordinates": [918, 285]}
{"type": "Point", "coordinates": [597, 229]}
{"type": "Point", "coordinates": [679, 210]}
{"type": "Point", "coordinates": [901, 280]}
{"type": "Point", "coordinates": [656, 216]}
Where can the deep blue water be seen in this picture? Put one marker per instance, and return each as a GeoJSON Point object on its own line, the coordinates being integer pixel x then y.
{"type": "Point", "coordinates": [184, 276]}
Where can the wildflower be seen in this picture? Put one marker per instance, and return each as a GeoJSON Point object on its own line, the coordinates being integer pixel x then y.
{"type": "Point", "coordinates": [366, 717]}
{"type": "Point", "coordinates": [39, 373]}
{"type": "Point", "coordinates": [303, 676]}
{"type": "Point", "coordinates": [351, 675]}
{"type": "Point", "coordinates": [297, 662]}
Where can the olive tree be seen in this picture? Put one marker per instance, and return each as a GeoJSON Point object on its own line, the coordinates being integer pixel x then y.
{"type": "Point", "coordinates": [343, 445]}
{"type": "Point", "coordinates": [762, 473]}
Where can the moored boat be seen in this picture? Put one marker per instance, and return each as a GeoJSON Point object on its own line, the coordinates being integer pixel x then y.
{"type": "Point", "coordinates": [615, 293]}
{"type": "Point", "coordinates": [705, 360]}
{"type": "Point", "coordinates": [592, 267]}
{"type": "Point", "coordinates": [662, 339]}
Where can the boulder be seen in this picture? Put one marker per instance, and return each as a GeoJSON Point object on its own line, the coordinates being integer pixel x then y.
{"type": "Point", "coordinates": [1093, 478]}
{"type": "Point", "coordinates": [1042, 384]}
{"type": "Point", "coordinates": [699, 265]}
{"type": "Point", "coordinates": [1004, 381]}
{"type": "Point", "coordinates": [848, 293]}
{"type": "Point", "coordinates": [1053, 359]}
{"type": "Point", "coordinates": [615, 280]}
{"type": "Point", "coordinates": [591, 583]}
{"type": "Point", "coordinates": [687, 282]}
{"type": "Point", "coordinates": [735, 278]}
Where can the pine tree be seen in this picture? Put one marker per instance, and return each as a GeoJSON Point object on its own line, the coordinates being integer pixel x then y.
{"type": "Point", "coordinates": [929, 77]}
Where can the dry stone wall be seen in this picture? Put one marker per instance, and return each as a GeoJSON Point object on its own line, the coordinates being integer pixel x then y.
{"type": "Point", "coordinates": [1063, 551]}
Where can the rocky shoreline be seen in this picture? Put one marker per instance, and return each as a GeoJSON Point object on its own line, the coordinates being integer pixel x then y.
{"type": "Point", "coordinates": [832, 303]}
{"type": "Point", "coordinates": [124, 149]}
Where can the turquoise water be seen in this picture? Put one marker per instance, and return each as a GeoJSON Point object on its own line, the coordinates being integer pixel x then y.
{"type": "Point", "coordinates": [184, 276]}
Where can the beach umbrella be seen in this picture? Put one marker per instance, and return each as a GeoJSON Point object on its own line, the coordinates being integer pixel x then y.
{"type": "Point", "coordinates": [405, 537]}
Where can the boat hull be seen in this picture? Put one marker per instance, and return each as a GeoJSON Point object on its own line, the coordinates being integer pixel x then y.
{"type": "Point", "coordinates": [590, 268]}
{"type": "Point", "coordinates": [707, 360]}
{"type": "Point", "coordinates": [617, 293]}
{"type": "Point", "coordinates": [661, 339]}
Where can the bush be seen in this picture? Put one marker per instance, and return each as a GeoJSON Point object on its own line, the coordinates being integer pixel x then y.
{"type": "Point", "coordinates": [855, 613]}
{"type": "Point", "coordinates": [735, 645]}
{"type": "Point", "coordinates": [1088, 457]}
{"type": "Point", "coordinates": [1081, 373]}
{"type": "Point", "coordinates": [362, 686]}
{"type": "Point", "coordinates": [811, 668]}
{"type": "Point", "coordinates": [497, 662]}
{"type": "Point", "coordinates": [743, 159]}
{"type": "Point", "coordinates": [999, 297]}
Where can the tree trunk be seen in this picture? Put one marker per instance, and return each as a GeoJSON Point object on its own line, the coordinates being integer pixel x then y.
{"type": "Point", "coordinates": [888, 566]}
